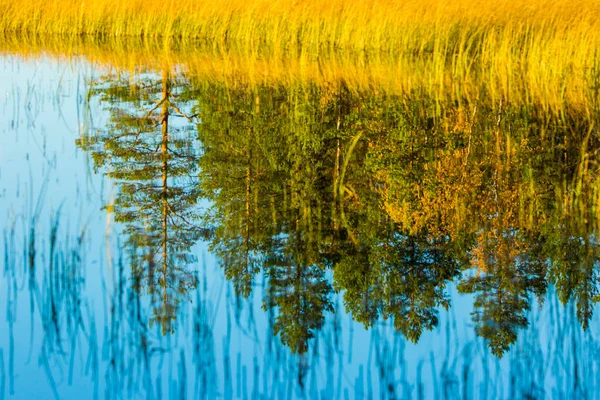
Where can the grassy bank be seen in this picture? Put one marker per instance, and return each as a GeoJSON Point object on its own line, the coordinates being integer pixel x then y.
{"type": "Point", "coordinates": [529, 50]}
{"type": "Point", "coordinates": [503, 30]}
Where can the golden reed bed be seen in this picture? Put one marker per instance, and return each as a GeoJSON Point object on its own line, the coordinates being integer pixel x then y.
{"type": "Point", "coordinates": [552, 86]}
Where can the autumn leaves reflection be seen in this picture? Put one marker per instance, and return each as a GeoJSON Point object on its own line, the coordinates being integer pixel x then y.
{"type": "Point", "coordinates": [385, 198]}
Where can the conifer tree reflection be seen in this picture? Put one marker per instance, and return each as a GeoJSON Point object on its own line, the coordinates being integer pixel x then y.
{"type": "Point", "coordinates": [153, 161]}
{"type": "Point", "coordinates": [514, 268]}
{"type": "Point", "coordinates": [293, 197]}
{"type": "Point", "coordinates": [574, 270]}
{"type": "Point", "coordinates": [402, 278]}
{"type": "Point", "coordinates": [299, 290]}
{"type": "Point", "coordinates": [395, 197]}
{"type": "Point", "coordinates": [260, 172]}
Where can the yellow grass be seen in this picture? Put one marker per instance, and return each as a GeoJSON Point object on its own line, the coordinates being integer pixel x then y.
{"type": "Point", "coordinates": [535, 85]}
{"type": "Point", "coordinates": [543, 51]}
{"type": "Point", "coordinates": [492, 28]}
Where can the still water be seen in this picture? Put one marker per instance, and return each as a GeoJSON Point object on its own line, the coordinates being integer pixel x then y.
{"type": "Point", "coordinates": [173, 233]}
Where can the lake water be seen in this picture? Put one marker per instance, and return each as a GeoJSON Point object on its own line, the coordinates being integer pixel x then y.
{"type": "Point", "coordinates": [223, 228]}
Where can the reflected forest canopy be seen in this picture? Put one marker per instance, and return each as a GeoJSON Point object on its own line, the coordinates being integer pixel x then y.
{"type": "Point", "coordinates": [386, 198]}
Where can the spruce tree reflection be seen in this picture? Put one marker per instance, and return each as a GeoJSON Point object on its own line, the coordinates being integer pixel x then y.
{"type": "Point", "coordinates": [574, 270]}
{"type": "Point", "coordinates": [401, 277]}
{"type": "Point", "coordinates": [293, 196]}
{"type": "Point", "coordinates": [502, 286]}
{"type": "Point", "coordinates": [397, 196]}
{"type": "Point", "coordinates": [154, 164]}
{"type": "Point", "coordinates": [262, 174]}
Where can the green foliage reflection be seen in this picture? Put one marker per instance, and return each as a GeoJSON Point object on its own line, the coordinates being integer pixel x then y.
{"type": "Point", "coordinates": [386, 198]}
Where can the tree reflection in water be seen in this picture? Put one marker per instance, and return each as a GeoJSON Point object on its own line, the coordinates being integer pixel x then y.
{"type": "Point", "coordinates": [385, 198]}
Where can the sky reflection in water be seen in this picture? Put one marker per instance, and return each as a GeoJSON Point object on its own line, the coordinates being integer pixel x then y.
{"type": "Point", "coordinates": [168, 235]}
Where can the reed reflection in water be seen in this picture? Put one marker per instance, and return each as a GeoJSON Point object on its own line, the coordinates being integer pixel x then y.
{"type": "Point", "coordinates": [320, 204]}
